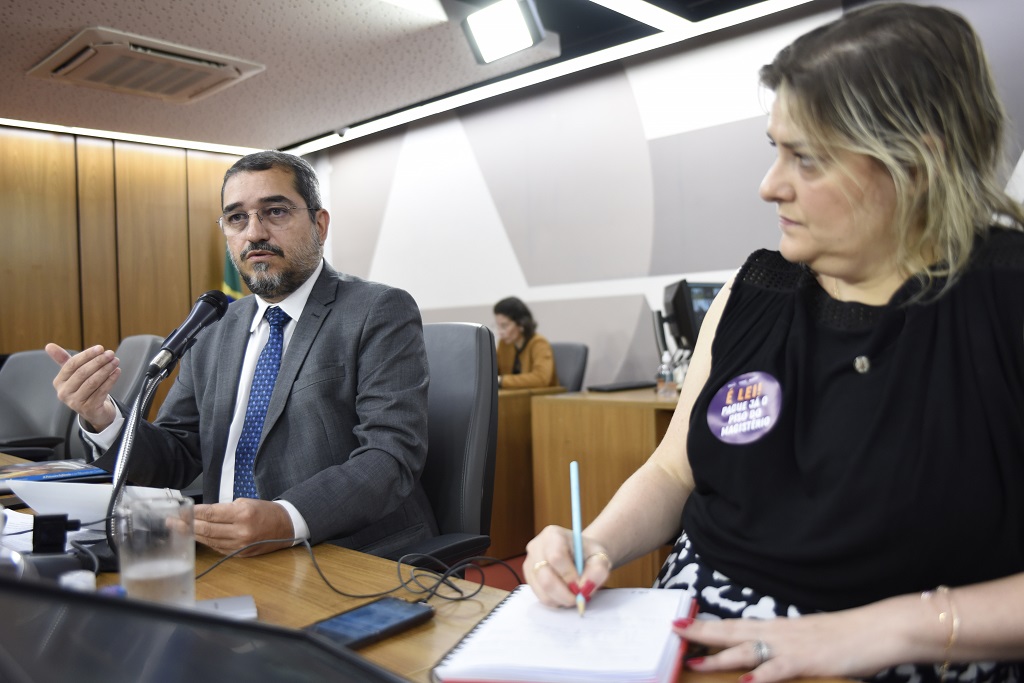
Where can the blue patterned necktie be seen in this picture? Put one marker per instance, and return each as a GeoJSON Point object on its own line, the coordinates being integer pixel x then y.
{"type": "Point", "coordinates": [259, 398]}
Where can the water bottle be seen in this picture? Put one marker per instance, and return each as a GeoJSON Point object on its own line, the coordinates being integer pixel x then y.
{"type": "Point", "coordinates": [681, 363]}
{"type": "Point", "coordinates": [666, 379]}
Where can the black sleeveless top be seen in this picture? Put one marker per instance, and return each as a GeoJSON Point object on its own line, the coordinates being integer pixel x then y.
{"type": "Point", "coordinates": [857, 452]}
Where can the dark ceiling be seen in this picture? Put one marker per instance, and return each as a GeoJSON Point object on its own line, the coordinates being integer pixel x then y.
{"type": "Point", "coordinates": [584, 27]}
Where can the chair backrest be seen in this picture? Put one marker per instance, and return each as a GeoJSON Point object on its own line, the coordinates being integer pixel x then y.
{"type": "Point", "coordinates": [29, 406]}
{"type": "Point", "coordinates": [462, 407]}
{"type": "Point", "coordinates": [570, 364]}
{"type": "Point", "coordinates": [135, 353]}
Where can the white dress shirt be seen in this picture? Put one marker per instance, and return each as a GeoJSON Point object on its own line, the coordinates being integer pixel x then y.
{"type": "Point", "coordinates": [259, 333]}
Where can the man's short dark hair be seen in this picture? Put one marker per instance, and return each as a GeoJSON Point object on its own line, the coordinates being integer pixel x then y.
{"type": "Point", "coordinates": [306, 183]}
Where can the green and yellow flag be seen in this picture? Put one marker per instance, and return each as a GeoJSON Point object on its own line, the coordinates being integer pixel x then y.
{"type": "Point", "coordinates": [232, 285]}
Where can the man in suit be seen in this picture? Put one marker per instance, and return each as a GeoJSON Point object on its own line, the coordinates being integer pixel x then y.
{"type": "Point", "coordinates": [344, 437]}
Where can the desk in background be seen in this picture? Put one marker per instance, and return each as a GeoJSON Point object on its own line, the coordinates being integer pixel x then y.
{"type": "Point", "coordinates": [512, 508]}
{"type": "Point", "coordinates": [610, 434]}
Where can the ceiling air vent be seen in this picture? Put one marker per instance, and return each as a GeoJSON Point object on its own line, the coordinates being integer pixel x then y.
{"type": "Point", "coordinates": [111, 60]}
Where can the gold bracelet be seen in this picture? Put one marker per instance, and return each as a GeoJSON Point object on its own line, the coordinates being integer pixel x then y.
{"type": "Point", "coordinates": [953, 619]}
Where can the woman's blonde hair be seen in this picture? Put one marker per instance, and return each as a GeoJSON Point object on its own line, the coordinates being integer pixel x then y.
{"type": "Point", "coordinates": [910, 87]}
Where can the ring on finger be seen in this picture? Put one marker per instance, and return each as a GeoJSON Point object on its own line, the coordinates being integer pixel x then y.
{"type": "Point", "coordinates": [599, 554]}
{"type": "Point", "coordinates": [540, 564]}
{"type": "Point", "coordinates": [762, 652]}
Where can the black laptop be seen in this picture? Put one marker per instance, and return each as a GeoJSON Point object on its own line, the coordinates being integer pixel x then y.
{"type": "Point", "coordinates": [623, 386]}
{"type": "Point", "coordinates": [49, 634]}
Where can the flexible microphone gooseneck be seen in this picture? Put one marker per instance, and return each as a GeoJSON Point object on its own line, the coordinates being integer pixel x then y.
{"type": "Point", "coordinates": [208, 309]}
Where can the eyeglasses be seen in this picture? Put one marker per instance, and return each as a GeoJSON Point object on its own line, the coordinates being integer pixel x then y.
{"type": "Point", "coordinates": [274, 217]}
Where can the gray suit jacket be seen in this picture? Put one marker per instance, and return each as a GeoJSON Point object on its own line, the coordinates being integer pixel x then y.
{"type": "Point", "coordinates": [345, 437]}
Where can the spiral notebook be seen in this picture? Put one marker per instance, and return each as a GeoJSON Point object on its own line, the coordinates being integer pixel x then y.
{"type": "Point", "coordinates": [625, 636]}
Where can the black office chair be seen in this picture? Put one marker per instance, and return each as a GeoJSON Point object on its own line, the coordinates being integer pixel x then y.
{"type": "Point", "coordinates": [570, 364]}
{"type": "Point", "coordinates": [34, 424]}
{"type": "Point", "coordinates": [462, 407]}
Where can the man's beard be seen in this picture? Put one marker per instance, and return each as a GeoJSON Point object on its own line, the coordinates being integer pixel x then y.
{"type": "Point", "coordinates": [304, 261]}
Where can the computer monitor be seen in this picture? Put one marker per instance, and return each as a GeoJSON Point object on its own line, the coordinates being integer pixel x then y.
{"type": "Point", "coordinates": [50, 634]}
{"type": "Point", "coordinates": [686, 304]}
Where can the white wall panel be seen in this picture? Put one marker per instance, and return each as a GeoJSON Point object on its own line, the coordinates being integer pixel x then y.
{"type": "Point", "coordinates": [441, 238]}
{"type": "Point", "coordinates": [1016, 185]}
{"type": "Point", "coordinates": [711, 85]}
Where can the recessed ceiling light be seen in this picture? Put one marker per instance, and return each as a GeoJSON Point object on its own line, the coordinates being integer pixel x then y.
{"type": "Point", "coordinates": [502, 29]}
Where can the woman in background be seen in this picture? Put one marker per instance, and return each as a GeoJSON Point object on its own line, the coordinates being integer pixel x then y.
{"type": "Point", "coordinates": [525, 359]}
{"type": "Point", "coordinates": [843, 474]}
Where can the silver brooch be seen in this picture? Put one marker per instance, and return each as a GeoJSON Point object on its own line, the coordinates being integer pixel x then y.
{"type": "Point", "coordinates": [861, 364]}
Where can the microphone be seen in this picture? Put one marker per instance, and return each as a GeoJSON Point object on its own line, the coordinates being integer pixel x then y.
{"type": "Point", "coordinates": [208, 309]}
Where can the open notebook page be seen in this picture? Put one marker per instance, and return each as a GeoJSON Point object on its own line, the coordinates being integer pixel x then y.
{"type": "Point", "coordinates": [626, 635]}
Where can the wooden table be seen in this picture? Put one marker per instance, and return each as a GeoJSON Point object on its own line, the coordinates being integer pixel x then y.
{"type": "Point", "coordinates": [289, 592]}
{"type": "Point", "coordinates": [512, 508]}
{"type": "Point", "coordinates": [611, 434]}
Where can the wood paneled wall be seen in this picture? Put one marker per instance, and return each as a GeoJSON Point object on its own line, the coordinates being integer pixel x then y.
{"type": "Point", "coordinates": [97, 242]}
{"type": "Point", "coordinates": [38, 212]}
{"type": "Point", "coordinates": [205, 239]}
{"type": "Point", "coordinates": [152, 238]}
{"type": "Point", "coordinates": [103, 239]}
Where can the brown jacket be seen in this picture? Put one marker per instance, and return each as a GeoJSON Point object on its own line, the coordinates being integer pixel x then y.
{"type": "Point", "coordinates": [537, 365]}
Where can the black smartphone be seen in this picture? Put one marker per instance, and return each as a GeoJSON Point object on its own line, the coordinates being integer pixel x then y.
{"type": "Point", "coordinates": [372, 622]}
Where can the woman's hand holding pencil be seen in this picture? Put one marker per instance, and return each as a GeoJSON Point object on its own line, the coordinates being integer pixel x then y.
{"type": "Point", "coordinates": [564, 567]}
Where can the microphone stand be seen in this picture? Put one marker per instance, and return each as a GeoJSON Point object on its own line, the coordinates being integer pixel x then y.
{"type": "Point", "coordinates": [139, 408]}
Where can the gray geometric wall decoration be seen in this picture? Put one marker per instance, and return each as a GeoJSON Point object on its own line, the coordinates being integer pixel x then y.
{"type": "Point", "coordinates": [708, 215]}
{"type": "Point", "coordinates": [591, 206]}
{"type": "Point", "coordinates": [360, 184]}
{"type": "Point", "coordinates": [568, 171]}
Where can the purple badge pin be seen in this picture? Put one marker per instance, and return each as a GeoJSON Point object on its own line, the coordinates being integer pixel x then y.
{"type": "Point", "coordinates": [745, 408]}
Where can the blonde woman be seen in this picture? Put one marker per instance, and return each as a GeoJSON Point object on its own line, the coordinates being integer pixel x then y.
{"type": "Point", "coordinates": [843, 477]}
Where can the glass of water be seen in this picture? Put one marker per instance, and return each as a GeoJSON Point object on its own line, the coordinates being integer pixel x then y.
{"type": "Point", "coordinates": [157, 550]}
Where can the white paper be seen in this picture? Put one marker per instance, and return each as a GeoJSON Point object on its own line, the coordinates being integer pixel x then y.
{"type": "Point", "coordinates": [85, 502]}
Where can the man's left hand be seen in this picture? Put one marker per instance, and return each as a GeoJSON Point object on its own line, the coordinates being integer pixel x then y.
{"type": "Point", "coordinates": [226, 527]}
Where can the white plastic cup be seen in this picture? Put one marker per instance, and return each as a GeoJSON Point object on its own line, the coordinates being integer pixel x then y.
{"type": "Point", "coordinates": [81, 580]}
{"type": "Point", "coordinates": [157, 550]}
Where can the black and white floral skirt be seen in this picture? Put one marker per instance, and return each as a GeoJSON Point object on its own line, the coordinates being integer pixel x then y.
{"type": "Point", "coordinates": [719, 598]}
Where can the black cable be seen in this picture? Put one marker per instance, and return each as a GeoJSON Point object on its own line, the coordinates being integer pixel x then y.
{"type": "Point", "coordinates": [455, 570]}
{"type": "Point", "coordinates": [240, 550]}
{"type": "Point", "coordinates": [18, 533]}
{"type": "Point", "coordinates": [77, 545]}
{"type": "Point", "coordinates": [415, 584]}
{"type": "Point", "coordinates": [28, 531]}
